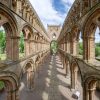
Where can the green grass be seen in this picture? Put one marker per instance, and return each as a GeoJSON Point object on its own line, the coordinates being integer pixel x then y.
{"type": "Point", "coordinates": [21, 55]}
{"type": "Point", "coordinates": [3, 56]}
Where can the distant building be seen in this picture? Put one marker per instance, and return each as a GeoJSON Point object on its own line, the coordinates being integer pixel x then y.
{"type": "Point", "coordinates": [53, 31]}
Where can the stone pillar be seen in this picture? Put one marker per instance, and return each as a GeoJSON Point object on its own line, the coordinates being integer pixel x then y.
{"type": "Point", "coordinates": [74, 78]}
{"type": "Point", "coordinates": [31, 47]}
{"type": "Point", "coordinates": [67, 69]}
{"type": "Point", "coordinates": [26, 47]}
{"type": "Point", "coordinates": [15, 45]}
{"type": "Point", "coordinates": [9, 47]}
{"type": "Point", "coordinates": [30, 79]}
{"type": "Point", "coordinates": [89, 48]}
{"type": "Point", "coordinates": [91, 94]}
{"type": "Point", "coordinates": [75, 46]}
{"type": "Point", "coordinates": [12, 48]}
{"type": "Point", "coordinates": [68, 47]}
{"type": "Point", "coordinates": [19, 7]}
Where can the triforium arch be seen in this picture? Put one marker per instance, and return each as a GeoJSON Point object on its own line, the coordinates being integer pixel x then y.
{"type": "Point", "coordinates": [8, 21]}
{"type": "Point", "coordinates": [11, 85]}
{"type": "Point", "coordinates": [28, 73]}
{"type": "Point", "coordinates": [89, 28]}
{"type": "Point", "coordinates": [75, 74]}
{"type": "Point", "coordinates": [91, 84]}
{"type": "Point", "coordinates": [28, 39]}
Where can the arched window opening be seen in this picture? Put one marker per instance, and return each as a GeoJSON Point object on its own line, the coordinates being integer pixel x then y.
{"type": "Point", "coordinates": [97, 43]}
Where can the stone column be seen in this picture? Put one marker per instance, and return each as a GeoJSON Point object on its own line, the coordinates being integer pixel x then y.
{"type": "Point", "coordinates": [68, 47]}
{"type": "Point", "coordinates": [19, 7]}
{"type": "Point", "coordinates": [67, 69]}
{"type": "Point", "coordinates": [89, 48]}
{"type": "Point", "coordinates": [15, 48]}
{"type": "Point", "coordinates": [31, 46]}
{"type": "Point", "coordinates": [8, 48]}
{"type": "Point", "coordinates": [26, 47]}
{"type": "Point", "coordinates": [91, 94]}
{"type": "Point", "coordinates": [75, 77]}
{"type": "Point", "coordinates": [75, 46]}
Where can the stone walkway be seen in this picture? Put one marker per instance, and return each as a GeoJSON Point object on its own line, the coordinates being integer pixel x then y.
{"type": "Point", "coordinates": [50, 83]}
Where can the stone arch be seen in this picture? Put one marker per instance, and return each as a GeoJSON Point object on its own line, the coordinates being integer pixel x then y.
{"type": "Point", "coordinates": [37, 62]}
{"type": "Point", "coordinates": [90, 85]}
{"type": "Point", "coordinates": [75, 72]}
{"type": "Point", "coordinates": [89, 28]}
{"type": "Point", "coordinates": [25, 64]}
{"type": "Point", "coordinates": [28, 39]}
{"type": "Point", "coordinates": [28, 74]}
{"type": "Point", "coordinates": [29, 29]}
{"type": "Point", "coordinates": [11, 85]}
{"type": "Point", "coordinates": [8, 21]}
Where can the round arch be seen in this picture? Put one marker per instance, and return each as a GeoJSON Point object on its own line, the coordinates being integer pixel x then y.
{"type": "Point", "coordinates": [8, 21]}
{"type": "Point", "coordinates": [75, 74]}
{"type": "Point", "coordinates": [90, 84]}
{"type": "Point", "coordinates": [28, 74]}
{"type": "Point", "coordinates": [89, 27]}
{"type": "Point", "coordinates": [11, 84]}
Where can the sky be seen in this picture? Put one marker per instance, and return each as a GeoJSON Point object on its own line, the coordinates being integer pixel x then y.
{"type": "Point", "coordinates": [52, 11]}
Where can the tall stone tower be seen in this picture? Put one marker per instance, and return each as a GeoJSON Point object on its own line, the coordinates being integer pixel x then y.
{"type": "Point", "coordinates": [53, 31]}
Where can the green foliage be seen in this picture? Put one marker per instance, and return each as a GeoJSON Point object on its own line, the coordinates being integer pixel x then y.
{"type": "Point", "coordinates": [2, 42]}
{"type": "Point", "coordinates": [80, 48]}
{"type": "Point", "coordinates": [54, 46]}
{"type": "Point", "coordinates": [97, 51]}
{"type": "Point", "coordinates": [21, 43]}
{"type": "Point", "coordinates": [2, 85]}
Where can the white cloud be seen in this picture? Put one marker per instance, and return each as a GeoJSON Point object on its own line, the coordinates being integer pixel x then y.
{"type": "Point", "coordinates": [68, 1]}
{"type": "Point", "coordinates": [47, 13]}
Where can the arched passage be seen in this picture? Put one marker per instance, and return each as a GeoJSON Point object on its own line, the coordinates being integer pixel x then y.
{"type": "Point", "coordinates": [8, 22]}
{"type": "Point", "coordinates": [90, 26]}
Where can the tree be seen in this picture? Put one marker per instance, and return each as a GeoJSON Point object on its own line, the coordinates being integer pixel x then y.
{"type": "Point", "coordinates": [2, 42]}
{"type": "Point", "coordinates": [21, 43]}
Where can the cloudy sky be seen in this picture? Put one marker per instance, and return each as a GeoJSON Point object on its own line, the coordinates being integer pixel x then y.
{"type": "Point", "coordinates": [52, 11]}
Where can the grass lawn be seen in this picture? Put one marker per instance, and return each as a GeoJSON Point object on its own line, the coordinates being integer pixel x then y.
{"type": "Point", "coordinates": [3, 56]}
